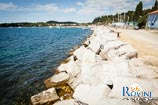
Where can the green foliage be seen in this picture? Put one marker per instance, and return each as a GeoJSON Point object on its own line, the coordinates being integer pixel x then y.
{"type": "Point", "coordinates": [142, 21]}
{"type": "Point", "coordinates": [56, 22]}
{"type": "Point", "coordinates": [138, 11]}
{"type": "Point", "coordinates": [138, 16]}
{"type": "Point", "coordinates": [155, 7]}
{"type": "Point", "coordinates": [38, 24]}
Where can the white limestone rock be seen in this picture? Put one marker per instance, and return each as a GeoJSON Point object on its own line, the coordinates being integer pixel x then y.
{"type": "Point", "coordinates": [123, 52]}
{"type": "Point", "coordinates": [127, 51]}
{"type": "Point", "coordinates": [103, 71]}
{"type": "Point", "coordinates": [46, 97]}
{"type": "Point", "coordinates": [85, 55]}
{"type": "Point", "coordinates": [91, 95]}
{"type": "Point", "coordinates": [72, 68]}
{"type": "Point", "coordinates": [59, 78]}
{"type": "Point", "coordinates": [95, 44]}
{"type": "Point", "coordinates": [74, 82]}
{"type": "Point", "coordinates": [113, 45]}
{"type": "Point", "coordinates": [110, 48]}
{"type": "Point", "coordinates": [86, 43]}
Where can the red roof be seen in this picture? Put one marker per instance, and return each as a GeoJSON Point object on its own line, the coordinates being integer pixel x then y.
{"type": "Point", "coordinates": [154, 12]}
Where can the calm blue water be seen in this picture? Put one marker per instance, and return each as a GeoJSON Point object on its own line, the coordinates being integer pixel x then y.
{"type": "Point", "coordinates": [29, 55]}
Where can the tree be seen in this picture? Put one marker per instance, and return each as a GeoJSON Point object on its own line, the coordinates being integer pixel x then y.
{"type": "Point", "coordinates": [138, 11]}
{"type": "Point", "coordinates": [142, 21]}
{"type": "Point", "coordinates": [155, 7]}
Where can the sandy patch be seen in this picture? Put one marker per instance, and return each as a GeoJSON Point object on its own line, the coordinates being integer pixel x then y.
{"type": "Point", "coordinates": [144, 48]}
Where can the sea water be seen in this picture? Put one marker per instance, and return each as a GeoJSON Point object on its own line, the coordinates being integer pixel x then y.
{"type": "Point", "coordinates": [30, 55]}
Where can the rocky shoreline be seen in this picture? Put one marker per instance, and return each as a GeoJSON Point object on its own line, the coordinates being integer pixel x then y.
{"type": "Point", "coordinates": [96, 72]}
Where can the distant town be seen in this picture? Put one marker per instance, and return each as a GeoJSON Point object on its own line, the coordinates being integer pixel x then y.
{"type": "Point", "coordinates": [39, 24]}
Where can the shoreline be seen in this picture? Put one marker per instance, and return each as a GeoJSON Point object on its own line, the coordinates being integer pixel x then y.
{"type": "Point", "coordinates": [95, 73]}
{"type": "Point", "coordinates": [62, 26]}
{"type": "Point", "coordinates": [28, 79]}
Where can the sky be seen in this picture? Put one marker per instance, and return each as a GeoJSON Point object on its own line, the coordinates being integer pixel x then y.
{"type": "Point", "coordinates": [63, 10]}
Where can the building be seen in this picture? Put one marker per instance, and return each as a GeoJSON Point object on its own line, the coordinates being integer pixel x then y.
{"type": "Point", "coordinates": [152, 21]}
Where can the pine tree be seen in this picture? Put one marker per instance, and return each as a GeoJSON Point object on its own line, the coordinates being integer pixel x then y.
{"type": "Point", "coordinates": [138, 11]}
{"type": "Point", "coordinates": [155, 7]}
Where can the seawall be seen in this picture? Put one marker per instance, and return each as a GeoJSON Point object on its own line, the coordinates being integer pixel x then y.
{"type": "Point", "coordinates": [96, 73]}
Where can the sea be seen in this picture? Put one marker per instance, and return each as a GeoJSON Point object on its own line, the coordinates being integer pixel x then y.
{"type": "Point", "coordinates": [29, 55]}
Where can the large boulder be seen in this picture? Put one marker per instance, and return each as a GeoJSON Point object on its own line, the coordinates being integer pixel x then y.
{"type": "Point", "coordinates": [74, 82]}
{"type": "Point", "coordinates": [85, 55]}
{"type": "Point", "coordinates": [110, 48]}
{"type": "Point", "coordinates": [116, 44]}
{"type": "Point", "coordinates": [103, 71]}
{"type": "Point", "coordinates": [125, 52]}
{"type": "Point", "coordinates": [72, 68]}
{"type": "Point", "coordinates": [103, 39]}
{"type": "Point", "coordinates": [95, 44]}
{"type": "Point", "coordinates": [104, 55]}
{"type": "Point", "coordinates": [86, 43]}
{"type": "Point", "coordinates": [46, 97]}
{"type": "Point", "coordinates": [91, 95]}
{"type": "Point", "coordinates": [57, 79]}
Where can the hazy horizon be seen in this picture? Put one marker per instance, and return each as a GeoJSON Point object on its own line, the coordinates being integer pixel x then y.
{"type": "Point", "coordinates": [81, 11]}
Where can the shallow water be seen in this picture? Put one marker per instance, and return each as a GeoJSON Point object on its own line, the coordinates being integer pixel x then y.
{"type": "Point", "coordinates": [29, 55]}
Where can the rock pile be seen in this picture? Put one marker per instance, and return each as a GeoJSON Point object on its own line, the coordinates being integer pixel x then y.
{"type": "Point", "coordinates": [96, 72]}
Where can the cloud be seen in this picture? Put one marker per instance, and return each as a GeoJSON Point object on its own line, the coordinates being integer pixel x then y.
{"type": "Point", "coordinates": [100, 7]}
{"type": "Point", "coordinates": [51, 8]}
{"type": "Point", "coordinates": [7, 6]}
{"type": "Point", "coordinates": [38, 8]}
{"type": "Point", "coordinates": [82, 11]}
{"type": "Point", "coordinates": [69, 10]}
{"type": "Point", "coordinates": [146, 1]}
{"type": "Point", "coordinates": [79, 3]}
{"type": "Point", "coordinates": [103, 6]}
{"type": "Point", "coordinates": [95, 8]}
{"type": "Point", "coordinates": [46, 7]}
